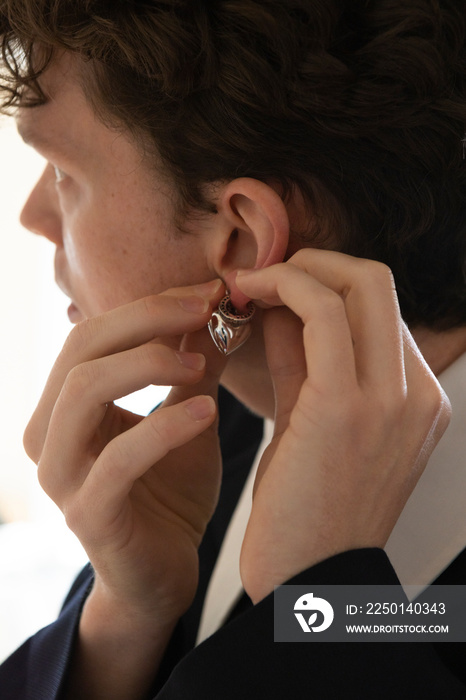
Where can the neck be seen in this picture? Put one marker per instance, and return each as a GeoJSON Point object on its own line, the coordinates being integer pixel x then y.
{"type": "Point", "coordinates": [247, 377]}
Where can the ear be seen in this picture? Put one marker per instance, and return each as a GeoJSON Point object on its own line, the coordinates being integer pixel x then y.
{"type": "Point", "coordinates": [253, 231]}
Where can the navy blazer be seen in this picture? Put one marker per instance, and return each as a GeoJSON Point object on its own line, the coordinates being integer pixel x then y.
{"type": "Point", "coordinates": [241, 660]}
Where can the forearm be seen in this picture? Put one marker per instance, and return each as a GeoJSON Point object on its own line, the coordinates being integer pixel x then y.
{"type": "Point", "coordinates": [117, 653]}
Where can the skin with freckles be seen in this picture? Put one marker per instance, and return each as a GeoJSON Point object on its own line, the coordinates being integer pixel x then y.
{"type": "Point", "coordinates": [110, 216]}
{"type": "Point", "coordinates": [329, 355]}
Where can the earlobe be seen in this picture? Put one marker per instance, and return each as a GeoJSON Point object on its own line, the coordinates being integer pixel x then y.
{"type": "Point", "coordinates": [255, 231]}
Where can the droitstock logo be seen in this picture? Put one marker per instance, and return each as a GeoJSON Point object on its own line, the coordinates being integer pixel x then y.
{"type": "Point", "coordinates": [307, 603]}
{"type": "Point", "coordinates": [317, 613]}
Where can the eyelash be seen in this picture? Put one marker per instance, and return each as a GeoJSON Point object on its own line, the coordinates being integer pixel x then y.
{"type": "Point", "coordinates": [59, 175]}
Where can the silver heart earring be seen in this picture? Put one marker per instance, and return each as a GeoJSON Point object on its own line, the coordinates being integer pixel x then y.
{"type": "Point", "coordinates": [229, 328]}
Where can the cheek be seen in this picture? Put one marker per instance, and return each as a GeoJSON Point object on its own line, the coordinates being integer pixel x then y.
{"type": "Point", "coordinates": [111, 265]}
{"type": "Point", "coordinates": [100, 265]}
{"type": "Point", "coordinates": [112, 270]}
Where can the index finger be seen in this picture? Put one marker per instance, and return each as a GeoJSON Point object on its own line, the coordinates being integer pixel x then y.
{"type": "Point", "coordinates": [368, 293]}
{"type": "Point", "coordinates": [174, 312]}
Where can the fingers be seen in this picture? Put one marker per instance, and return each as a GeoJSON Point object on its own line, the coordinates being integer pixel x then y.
{"type": "Point", "coordinates": [126, 458]}
{"type": "Point", "coordinates": [200, 342]}
{"type": "Point", "coordinates": [371, 305]}
{"type": "Point", "coordinates": [328, 343]}
{"type": "Point", "coordinates": [353, 335]}
{"type": "Point", "coordinates": [173, 313]}
{"type": "Point", "coordinates": [365, 418]}
{"type": "Point", "coordinates": [89, 387]}
{"type": "Point", "coordinates": [350, 304]}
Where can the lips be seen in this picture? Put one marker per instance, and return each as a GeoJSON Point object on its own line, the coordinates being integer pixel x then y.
{"type": "Point", "coordinates": [74, 314]}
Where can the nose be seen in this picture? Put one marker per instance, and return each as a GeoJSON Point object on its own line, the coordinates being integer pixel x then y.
{"type": "Point", "coordinates": [41, 212]}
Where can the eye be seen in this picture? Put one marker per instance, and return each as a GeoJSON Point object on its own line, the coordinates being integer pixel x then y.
{"type": "Point", "coordinates": [59, 175]}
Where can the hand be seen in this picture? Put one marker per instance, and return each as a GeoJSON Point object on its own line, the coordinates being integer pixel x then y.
{"type": "Point", "coordinates": [138, 492]}
{"type": "Point", "coordinates": [358, 413]}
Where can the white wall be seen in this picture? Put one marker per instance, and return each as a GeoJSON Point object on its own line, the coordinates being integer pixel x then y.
{"type": "Point", "coordinates": [24, 260]}
{"type": "Point", "coordinates": [38, 555]}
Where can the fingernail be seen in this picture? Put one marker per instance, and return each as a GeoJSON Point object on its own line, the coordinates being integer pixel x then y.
{"type": "Point", "coordinates": [208, 288]}
{"type": "Point", "coordinates": [195, 305]}
{"type": "Point", "coordinates": [244, 273]}
{"type": "Point", "coordinates": [200, 407]}
{"type": "Point", "coordinates": [191, 360]}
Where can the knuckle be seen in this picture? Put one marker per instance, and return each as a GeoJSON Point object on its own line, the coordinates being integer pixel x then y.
{"type": "Point", "coordinates": [48, 481]}
{"type": "Point", "coordinates": [114, 460]}
{"type": "Point", "coordinates": [376, 272]}
{"type": "Point", "coordinates": [152, 353]}
{"type": "Point", "coordinates": [151, 306]}
{"type": "Point", "coordinates": [43, 478]}
{"type": "Point", "coordinates": [160, 430]}
{"type": "Point", "coordinates": [299, 257]}
{"type": "Point", "coordinates": [32, 441]}
{"type": "Point", "coordinates": [331, 305]}
{"type": "Point", "coordinates": [79, 336]}
{"type": "Point", "coordinates": [163, 431]}
{"type": "Point", "coordinates": [80, 380]}
{"type": "Point", "coordinates": [116, 463]}
{"type": "Point", "coordinates": [73, 513]}
{"type": "Point", "coordinates": [435, 403]}
{"type": "Point", "coordinates": [82, 334]}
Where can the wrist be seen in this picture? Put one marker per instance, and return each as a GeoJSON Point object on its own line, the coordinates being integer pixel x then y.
{"type": "Point", "coordinates": [106, 610]}
{"type": "Point", "coordinates": [119, 648]}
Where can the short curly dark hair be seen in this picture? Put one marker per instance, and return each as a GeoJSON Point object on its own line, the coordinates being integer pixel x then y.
{"type": "Point", "coordinates": [359, 103]}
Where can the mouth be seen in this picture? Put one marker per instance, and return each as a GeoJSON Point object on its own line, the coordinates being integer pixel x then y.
{"type": "Point", "coordinates": [74, 313]}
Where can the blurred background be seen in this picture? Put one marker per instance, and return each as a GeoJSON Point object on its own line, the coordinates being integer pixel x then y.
{"type": "Point", "coordinates": [39, 557]}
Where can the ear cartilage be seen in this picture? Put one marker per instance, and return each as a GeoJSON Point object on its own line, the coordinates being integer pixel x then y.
{"type": "Point", "coordinates": [230, 328]}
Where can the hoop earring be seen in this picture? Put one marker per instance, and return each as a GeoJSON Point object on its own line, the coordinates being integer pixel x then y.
{"type": "Point", "coordinates": [228, 328]}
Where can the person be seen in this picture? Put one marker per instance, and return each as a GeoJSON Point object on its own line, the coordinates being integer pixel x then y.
{"type": "Point", "coordinates": [307, 156]}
